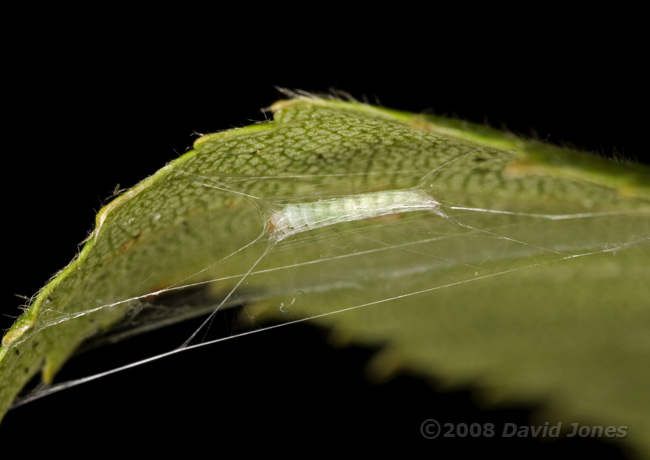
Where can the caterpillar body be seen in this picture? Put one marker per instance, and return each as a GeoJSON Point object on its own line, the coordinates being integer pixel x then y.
{"type": "Point", "coordinates": [300, 217]}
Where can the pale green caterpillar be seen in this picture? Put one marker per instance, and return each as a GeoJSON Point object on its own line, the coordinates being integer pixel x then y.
{"type": "Point", "coordinates": [301, 217]}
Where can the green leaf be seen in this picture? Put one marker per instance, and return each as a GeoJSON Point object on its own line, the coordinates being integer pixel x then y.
{"type": "Point", "coordinates": [531, 285]}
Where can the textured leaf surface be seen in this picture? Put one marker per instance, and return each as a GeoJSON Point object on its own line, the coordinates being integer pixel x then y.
{"type": "Point", "coordinates": [522, 304]}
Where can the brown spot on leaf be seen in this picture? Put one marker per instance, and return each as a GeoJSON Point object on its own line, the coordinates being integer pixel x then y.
{"type": "Point", "coordinates": [387, 217]}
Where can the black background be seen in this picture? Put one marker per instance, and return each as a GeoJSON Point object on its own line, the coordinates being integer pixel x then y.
{"type": "Point", "coordinates": [91, 106]}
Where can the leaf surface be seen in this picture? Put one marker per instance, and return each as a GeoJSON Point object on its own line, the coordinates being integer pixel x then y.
{"type": "Point", "coordinates": [530, 284]}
